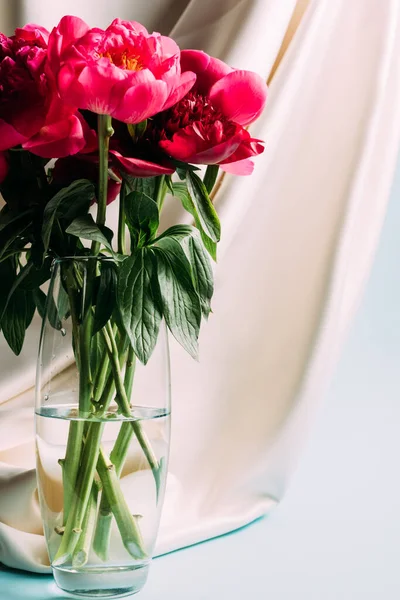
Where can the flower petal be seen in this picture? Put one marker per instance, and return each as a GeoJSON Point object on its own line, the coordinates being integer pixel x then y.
{"type": "Point", "coordinates": [9, 137]}
{"type": "Point", "coordinates": [240, 96]}
{"type": "Point", "coordinates": [131, 26]}
{"type": "Point", "coordinates": [241, 167]}
{"type": "Point", "coordinates": [58, 139]}
{"type": "Point", "coordinates": [69, 30]}
{"type": "Point", "coordinates": [96, 85]}
{"type": "Point", "coordinates": [209, 70]}
{"type": "Point", "coordinates": [140, 101]}
{"type": "Point", "coordinates": [188, 146]}
{"type": "Point", "coordinates": [113, 190]}
{"type": "Point", "coordinates": [139, 167]}
{"type": "Point", "coordinates": [188, 79]}
{"type": "Point", "coordinates": [248, 147]}
{"type": "Point", "coordinates": [31, 31]}
{"type": "Point", "coordinates": [194, 60]}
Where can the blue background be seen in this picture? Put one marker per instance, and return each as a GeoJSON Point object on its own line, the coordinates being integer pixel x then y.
{"type": "Point", "coordinates": [336, 535]}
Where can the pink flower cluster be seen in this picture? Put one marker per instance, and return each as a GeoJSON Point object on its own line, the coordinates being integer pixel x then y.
{"type": "Point", "coordinates": [194, 108]}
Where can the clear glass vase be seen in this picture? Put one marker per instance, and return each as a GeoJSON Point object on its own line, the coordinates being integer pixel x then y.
{"type": "Point", "coordinates": [102, 436]}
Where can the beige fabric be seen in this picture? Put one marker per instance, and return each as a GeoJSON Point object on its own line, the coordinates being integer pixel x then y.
{"type": "Point", "coordinates": [298, 240]}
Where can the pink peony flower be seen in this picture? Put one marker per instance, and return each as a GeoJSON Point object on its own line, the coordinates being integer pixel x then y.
{"type": "Point", "coordinates": [3, 166]}
{"type": "Point", "coordinates": [207, 125]}
{"type": "Point", "coordinates": [138, 159]}
{"type": "Point", "coordinates": [123, 71]}
{"type": "Point", "coordinates": [31, 112]}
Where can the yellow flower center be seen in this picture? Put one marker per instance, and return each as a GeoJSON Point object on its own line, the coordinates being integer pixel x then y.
{"type": "Point", "coordinates": [124, 60]}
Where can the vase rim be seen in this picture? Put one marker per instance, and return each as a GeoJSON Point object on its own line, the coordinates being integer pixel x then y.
{"type": "Point", "coordinates": [61, 259]}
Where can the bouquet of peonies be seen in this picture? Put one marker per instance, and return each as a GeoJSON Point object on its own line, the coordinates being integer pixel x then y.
{"type": "Point", "coordinates": [87, 115]}
{"type": "Point", "coordinates": [159, 112]}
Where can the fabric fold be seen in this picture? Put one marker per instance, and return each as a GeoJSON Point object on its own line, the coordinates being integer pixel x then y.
{"type": "Point", "coordinates": [299, 236]}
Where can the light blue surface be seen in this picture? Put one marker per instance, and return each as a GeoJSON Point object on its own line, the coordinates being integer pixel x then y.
{"type": "Point", "coordinates": [336, 536]}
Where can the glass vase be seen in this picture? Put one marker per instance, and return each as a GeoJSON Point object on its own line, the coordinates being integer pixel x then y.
{"type": "Point", "coordinates": [102, 435]}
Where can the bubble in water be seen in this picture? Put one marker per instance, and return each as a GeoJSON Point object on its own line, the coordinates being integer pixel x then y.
{"type": "Point", "coordinates": [46, 397]}
{"type": "Point", "coordinates": [63, 332]}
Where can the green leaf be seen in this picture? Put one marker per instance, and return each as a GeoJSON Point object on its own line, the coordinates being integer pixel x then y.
{"type": "Point", "coordinates": [210, 177]}
{"type": "Point", "coordinates": [7, 276]}
{"type": "Point", "coordinates": [142, 217]}
{"type": "Point", "coordinates": [202, 274]}
{"type": "Point", "coordinates": [181, 192]}
{"type": "Point", "coordinates": [16, 318]}
{"type": "Point", "coordinates": [8, 217]}
{"type": "Point", "coordinates": [17, 283]}
{"type": "Point", "coordinates": [12, 238]}
{"type": "Point", "coordinates": [138, 300]}
{"type": "Point", "coordinates": [180, 301]}
{"type": "Point", "coordinates": [204, 207]}
{"type": "Point", "coordinates": [30, 307]}
{"type": "Point", "coordinates": [60, 205]}
{"type": "Point", "coordinates": [183, 168]}
{"type": "Point", "coordinates": [146, 185]}
{"type": "Point", "coordinates": [177, 231]}
{"type": "Point", "coordinates": [168, 183]}
{"type": "Point", "coordinates": [106, 295]}
{"type": "Point", "coordinates": [35, 277]}
{"type": "Point", "coordinates": [85, 228]}
{"type": "Point", "coordinates": [209, 245]}
{"type": "Point", "coordinates": [40, 298]}
{"type": "Point", "coordinates": [98, 350]}
{"type": "Point", "coordinates": [56, 313]}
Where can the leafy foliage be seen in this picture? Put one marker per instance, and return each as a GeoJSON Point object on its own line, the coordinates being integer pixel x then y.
{"type": "Point", "coordinates": [167, 276]}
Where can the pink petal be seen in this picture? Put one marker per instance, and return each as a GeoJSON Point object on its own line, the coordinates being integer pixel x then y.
{"type": "Point", "coordinates": [113, 190]}
{"type": "Point", "coordinates": [209, 70]}
{"type": "Point", "coordinates": [69, 30]}
{"type": "Point", "coordinates": [248, 147]}
{"type": "Point", "coordinates": [70, 89]}
{"type": "Point", "coordinates": [9, 137]}
{"type": "Point", "coordinates": [187, 81]}
{"type": "Point", "coordinates": [142, 100]}
{"type": "Point", "coordinates": [138, 167]}
{"type": "Point", "coordinates": [58, 139]}
{"type": "Point", "coordinates": [31, 31]}
{"type": "Point", "coordinates": [188, 146]}
{"type": "Point", "coordinates": [240, 96]}
{"type": "Point", "coordinates": [96, 85]}
{"type": "Point", "coordinates": [241, 167]}
{"type": "Point", "coordinates": [3, 166]}
{"type": "Point", "coordinates": [72, 29]}
{"type": "Point", "coordinates": [194, 60]}
{"type": "Point", "coordinates": [168, 46]}
{"type": "Point", "coordinates": [132, 26]}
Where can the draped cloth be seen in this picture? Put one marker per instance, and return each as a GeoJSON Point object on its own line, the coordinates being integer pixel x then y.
{"type": "Point", "coordinates": [299, 236]}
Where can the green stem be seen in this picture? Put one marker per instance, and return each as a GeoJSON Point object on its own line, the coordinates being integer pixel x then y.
{"type": "Point", "coordinates": [102, 376]}
{"type": "Point", "coordinates": [129, 371]}
{"type": "Point", "coordinates": [124, 404]}
{"type": "Point", "coordinates": [70, 464]}
{"type": "Point", "coordinates": [118, 457]}
{"type": "Point", "coordinates": [82, 549]}
{"type": "Point", "coordinates": [127, 524]}
{"type": "Point", "coordinates": [85, 383]}
{"type": "Point", "coordinates": [112, 350]}
{"type": "Point", "coordinates": [161, 192]}
{"type": "Point", "coordinates": [101, 379]}
{"type": "Point", "coordinates": [104, 132]}
{"type": "Point", "coordinates": [121, 219]}
{"type": "Point", "coordinates": [73, 527]}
